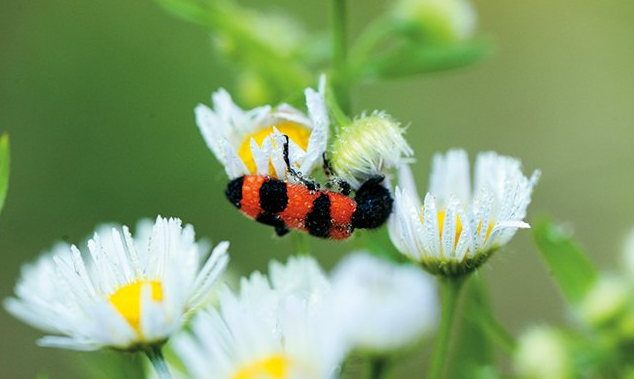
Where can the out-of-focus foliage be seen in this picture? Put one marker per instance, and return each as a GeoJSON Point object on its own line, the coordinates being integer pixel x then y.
{"type": "Point", "coordinates": [574, 272]}
{"type": "Point", "coordinates": [270, 47]}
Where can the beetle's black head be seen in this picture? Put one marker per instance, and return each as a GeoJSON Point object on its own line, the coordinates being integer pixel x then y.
{"type": "Point", "coordinates": [234, 191]}
{"type": "Point", "coordinates": [374, 204]}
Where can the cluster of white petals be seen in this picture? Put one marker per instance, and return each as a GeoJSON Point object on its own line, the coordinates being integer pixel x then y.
{"type": "Point", "coordinates": [230, 133]}
{"type": "Point", "coordinates": [459, 224]}
{"type": "Point", "coordinates": [131, 292]}
{"type": "Point", "coordinates": [299, 324]}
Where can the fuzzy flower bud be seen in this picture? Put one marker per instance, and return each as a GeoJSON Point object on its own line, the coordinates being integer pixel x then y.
{"type": "Point", "coordinates": [606, 301]}
{"type": "Point", "coordinates": [542, 354]}
{"type": "Point", "coordinates": [438, 20]}
{"type": "Point", "coordinates": [367, 147]}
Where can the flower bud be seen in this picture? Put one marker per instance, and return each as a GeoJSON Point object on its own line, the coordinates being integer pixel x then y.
{"type": "Point", "coordinates": [253, 89]}
{"type": "Point", "coordinates": [367, 147]}
{"type": "Point", "coordinates": [542, 354]}
{"type": "Point", "coordinates": [438, 20]}
{"type": "Point", "coordinates": [606, 301]}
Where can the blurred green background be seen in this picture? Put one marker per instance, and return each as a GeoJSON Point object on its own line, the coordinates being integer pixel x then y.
{"type": "Point", "coordinates": [98, 99]}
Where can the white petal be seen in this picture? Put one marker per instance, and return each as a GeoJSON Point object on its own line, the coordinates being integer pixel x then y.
{"type": "Point", "coordinates": [431, 231]}
{"type": "Point", "coordinates": [261, 156]}
{"type": "Point", "coordinates": [450, 176]}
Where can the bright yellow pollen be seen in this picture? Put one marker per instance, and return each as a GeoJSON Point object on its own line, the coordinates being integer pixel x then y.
{"type": "Point", "coordinates": [441, 224]}
{"type": "Point", "coordinates": [274, 367]}
{"type": "Point", "coordinates": [489, 228]}
{"type": "Point", "coordinates": [296, 132]}
{"type": "Point", "coordinates": [127, 300]}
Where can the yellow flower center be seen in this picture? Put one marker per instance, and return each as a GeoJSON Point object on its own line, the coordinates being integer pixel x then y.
{"type": "Point", "coordinates": [296, 132]}
{"type": "Point", "coordinates": [274, 367]}
{"type": "Point", "coordinates": [441, 224]}
{"type": "Point", "coordinates": [127, 300]}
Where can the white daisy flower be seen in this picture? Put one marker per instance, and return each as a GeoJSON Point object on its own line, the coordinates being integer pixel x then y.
{"type": "Point", "coordinates": [458, 228]}
{"type": "Point", "coordinates": [368, 147]}
{"type": "Point", "coordinates": [130, 294]}
{"type": "Point", "coordinates": [272, 329]}
{"type": "Point", "coordinates": [382, 306]}
{"type": "Point", "coordinates": [251, 142]}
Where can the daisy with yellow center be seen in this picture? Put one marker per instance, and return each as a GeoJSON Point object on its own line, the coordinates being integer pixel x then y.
{"type": "Point", "coordinates": [274, 328]}
{"type": "Point", "coordinates": [456, 229]}
{"type": "Point", "coordinates": [132, 294]}
{"type": "Point", "coordinates": [250, 141]}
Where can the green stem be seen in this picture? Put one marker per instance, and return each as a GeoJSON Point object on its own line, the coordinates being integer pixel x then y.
{"type": "Point", "coordinates": [497, 333]}
{"type": "Point", "coordinates": [450, 293]}
{"type": "Point", "coordinates": [300, 243]}
{"type": "Point", "coordinates": [155, 355]}
{"type": "Point", "coordinates": [378, 366]}
{"type": "Point", "coordinates": [339, 53]}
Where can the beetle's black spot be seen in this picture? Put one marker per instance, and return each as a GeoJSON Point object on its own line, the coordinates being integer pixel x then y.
{"type": "Point", "coordinates": [273, 196]}
{"type": "Point", "coordinates": [234, 191]}
{"type": "Point", "coordinates": [318, 220]}
{"type": "Point", "coordinates": [281, 230]}
{"type": "Point", "coordinates": [270, 219]}
{"type": "Point", "coordinates": [374, 204]}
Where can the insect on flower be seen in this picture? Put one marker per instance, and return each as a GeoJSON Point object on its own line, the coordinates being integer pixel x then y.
{"type": "Point", "coordinates": [305, 206]}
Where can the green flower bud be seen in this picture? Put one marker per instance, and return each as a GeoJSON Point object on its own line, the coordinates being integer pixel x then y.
{"type": "Point", "coordinates": [606, 301]}
{"type": "Point", "coordinates": [438, 20]}
{"type": "Point", "coordinates": [253, 89]}
{"type": "Point", "coordinates": [542, 354]}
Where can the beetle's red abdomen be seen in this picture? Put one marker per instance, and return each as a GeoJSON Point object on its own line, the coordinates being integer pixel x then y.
{"type": "Point", "coordinates": [286, 206]}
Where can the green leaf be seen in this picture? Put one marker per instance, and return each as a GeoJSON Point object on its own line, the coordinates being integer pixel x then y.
{"type": "Point", "coordinates": [409, 58]}
{"type": "Point", "coordinates": [570, 266]}
{"type": "Point", "coordinates": [4, 168]}
{"type": "Point", "coordinates": [472, 348]}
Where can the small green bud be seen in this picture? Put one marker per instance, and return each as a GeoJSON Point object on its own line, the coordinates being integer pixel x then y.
{"type": "Point", "coordinates": [606, 301]}
{"type": "Point", "coordinates": [542, 354]}
{"type": "Point", "coordinates": [438, 20]}
{"type": "Point", "coordinates": [367, 147]}
{"type": "Point", "coordinates": [253, 89]}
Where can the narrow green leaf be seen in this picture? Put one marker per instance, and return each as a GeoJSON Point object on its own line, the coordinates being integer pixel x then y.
{"type": "Point", "coordinates": [570, 266]}
{"type": "Point", "coordinates": [409, 59]}
{"type": "Point", "coordinates": [4, 168]}
{"type": "Point", "coordinates": [472, 348]}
